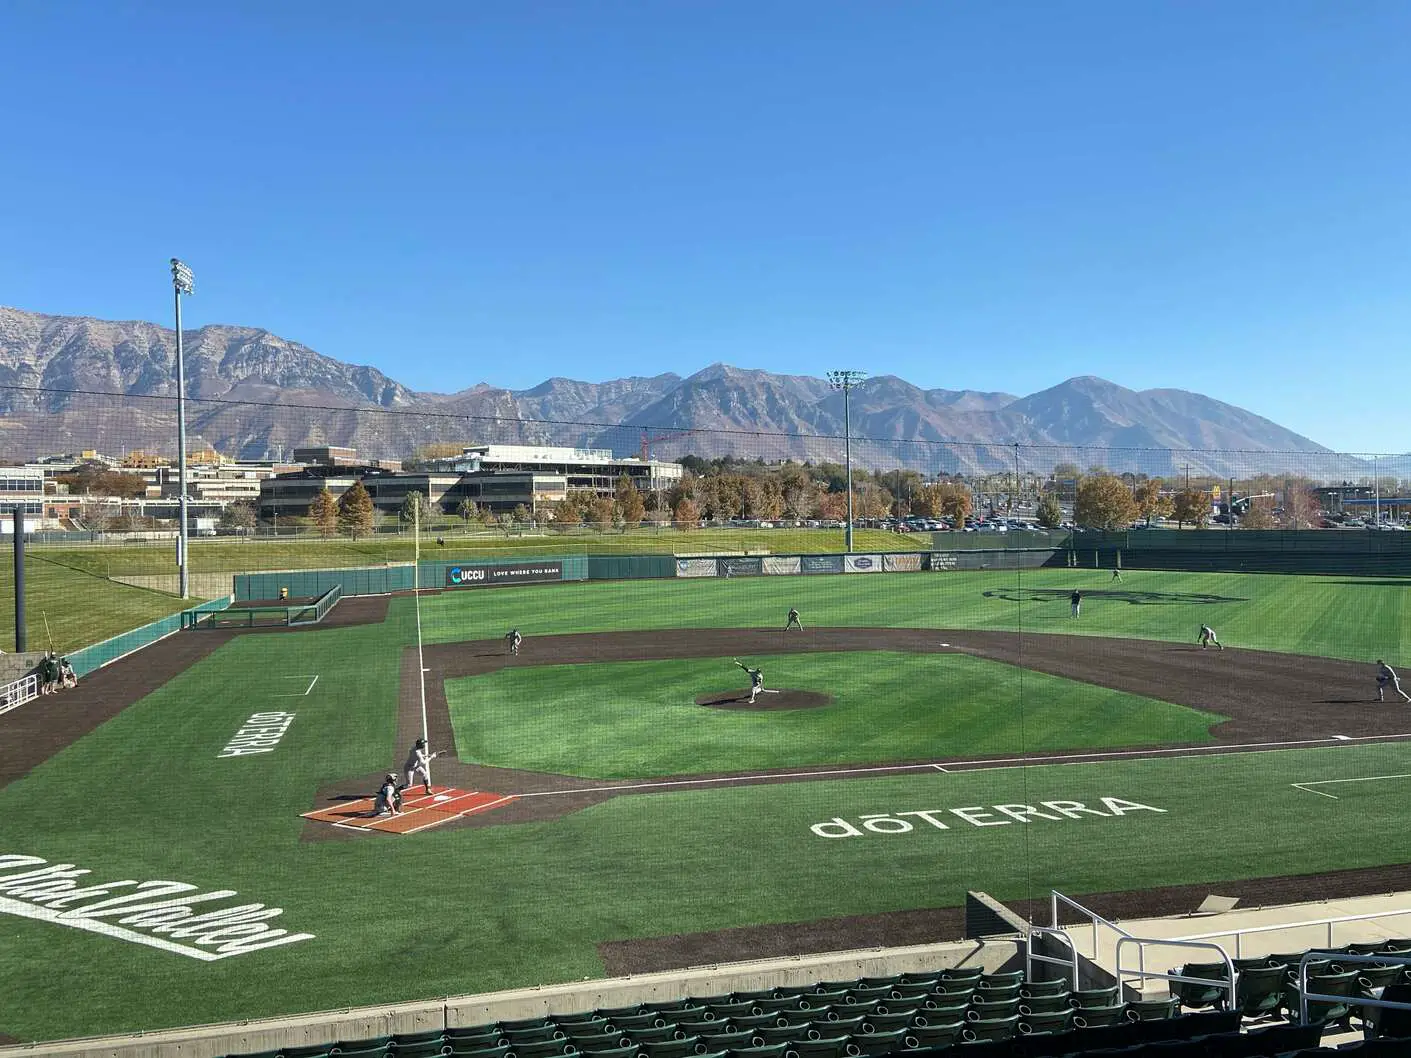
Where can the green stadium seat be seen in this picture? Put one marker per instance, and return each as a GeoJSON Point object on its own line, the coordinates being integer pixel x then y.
{"type": "Point", "coordinates": [1002, 979]}
{"type": "Point", "coordinates": [603, 1041]}
{"type": "Point", "coordinates": [674, 1048]}
{"type": "Point", "coordinates": [754, 1021]}
{"type": "Point", "coordinates": [429, 1049]}
{"type": "Point", "coordinates": [864, 993]}
{"type": "Point", "coordinates": [655, 1034]}
{"type": "Point", "coordinates": [963, 973]}
{"type": "Point", "coordinates": [890, 981]}
{"type": "Point", "coordinates": [1370, 976]}
{"type": "Point", "coordinates": [1044, 1004]}
{"type": "Point", "coordinates": [936, 1035]}
{"type": "Point", "coordinates": [726, 1039]}
{"type": "Point", "coordinates": [823, 998]}
{"type": "Point", "coordinates": [995, 993]}
{"type": "Point", "coordinates": [315, 1050]}
{"type": "Point", "coordinates": [431, 1036]}
{"type": "Point", "coordinates": [899, 1019]}
{"type": "Point", "coordinates": [1093, 997]}
{"type": "Point", "coordinates": [378, 1043]}
{"type": "Point", "coordinates": [879, 1043]}
{"type": "Point", "coordinates": [575, 1018]}
{"type": "Point", "coordinates": [542, 1034]}
{"type": "Point", "coordinates": [698, 1028]}
{"type": "Point", "coordinates": [616, 1014]}
{"type": "Point", "coordinates": [773, 1050]}
{"type": "Point", "coordinates": [1041, 1023]}
{"type": "Point", "coordinates": [937, 1010]}
{"type": "Point", "coordinates": [905, 993]}
{"type": "Point", "coordinates": [1332, 984]}
{"type": "Point", "coordinates": [629, 1022]}
{"type": "Point", "coordinates": [795, 990]}
{"type": "Point", "coordinates": [1030, 989]}
{"type": "Point", "coordinates": [1097, 1017]}
{"type": "Point", "coordinates": [731, 1008]}
{"type": "Point", "coordinates": [769, 1006]}
{"type": "Point", "coordinates": [540, 1049]}
{"type": "Point", "coordinates": [526, 1025]}
{"type": "Point", "coordinates": [921, 977]}
{"type": "Point", "coordinates": [781, 1034]}
{"type": "Point", "coordinates": [984, 1010]}
{"type": "Point", "coordinates": [750, 997]}
{"type": "Point", "coordinates": [1259, 990]}
{"type": "Point", "coordinates": [1152, 1009]}
{"type": "Point", "coordinates": [1200, 996]}
{"type": "Point", "coordinates": [829, 1047]}
{"type": "Point", "coordinates": [615, 1052]}
{"type": "Point", "coordinates": [990, 1029]}
{"type": "Point", "coordinates": [802, 1017]}
{"type": "Point", "coordinates": [590, 1026]}
{"type": "Point", "coordinates": [848, 1026]}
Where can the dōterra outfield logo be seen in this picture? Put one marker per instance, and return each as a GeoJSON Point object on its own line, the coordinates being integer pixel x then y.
{"type": "Point", "coordinates": [172, 916]}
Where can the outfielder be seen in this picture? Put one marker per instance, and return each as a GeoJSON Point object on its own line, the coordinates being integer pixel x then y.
{"type": "Point", "coordinates": [1207, 638]}
{"type": "Point", "coordinates": [1116, 574]}
{"type": "Point", "coordinates": [1075, 602]}
{"type": "Point", "coordinates": [514, 639]}
{"type": "Point", "coordinates": [389, 797]}
{"type": "Point", "coordinates": [756, 680]}
{"type": "Point", "coordinates": [419, 763]}
{"type": "Point", "coordinates": [793, 621]}
{"type": "Point", "coordinates": [1386, 674]}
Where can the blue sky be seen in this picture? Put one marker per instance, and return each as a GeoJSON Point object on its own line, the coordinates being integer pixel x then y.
{"type": "Point", "coordinates": [1205, 195]}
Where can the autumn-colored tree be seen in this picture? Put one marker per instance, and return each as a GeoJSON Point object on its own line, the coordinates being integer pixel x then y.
{"type": "Point", "coordinates": [599, 512]}
{"type": "Point", "coordinates": [323, 513]}
{"type": "Point", "coordinates": [630, 508]}
{"type": "Point", "coordinates": [521, 514]}
{"type": "Point", "coordinates": [1151, 503]}
{"type": "Point", "coordinates": [1191, 505]}
{"type": "Point", "coordinates": [239, 516]}
{"type": "Point", "coordinates": [355, 513]}
{"type": "Point", "coordinates": [955, 502]}
{"type": "Point", "coordinates": [1104, 502]}
{"type": "Point", "coordinates": [1259, 514]}
{"type": "Point", "coordinates": [1049, 512]}
{"type": "Point", "coordinates": [686, 514]}
{"type": "Point", "coordinates": [566, 514]}
{"type": "Point", "coordinates": [833, 506]}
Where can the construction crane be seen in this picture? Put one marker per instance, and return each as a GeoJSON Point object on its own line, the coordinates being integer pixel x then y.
{"type": "Point", "coordinates": [648, 441]}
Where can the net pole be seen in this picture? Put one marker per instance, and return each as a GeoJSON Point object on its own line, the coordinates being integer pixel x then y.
{"type": "Point", "coordinates": [416, 596]}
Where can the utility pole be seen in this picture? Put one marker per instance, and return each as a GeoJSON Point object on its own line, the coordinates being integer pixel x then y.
{"type": "Point", "coordinates": [845, 380]}
{"type": "Point", "coordinates": [183, 282]}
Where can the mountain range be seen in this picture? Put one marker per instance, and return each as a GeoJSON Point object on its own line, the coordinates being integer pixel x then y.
{"type": "Point", "coordinates": [68, 383]}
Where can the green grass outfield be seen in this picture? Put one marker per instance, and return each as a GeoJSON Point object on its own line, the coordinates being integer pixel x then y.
{"type": "Point", "coordinates": [638, 719]}
{"type": "Point", "coordinates": [1343, 617]}
{"type": "Point", "coordinates": [145, 797]}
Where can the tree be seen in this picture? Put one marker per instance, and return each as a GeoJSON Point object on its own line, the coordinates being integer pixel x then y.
{"type": "Point", "coordinates": [566, 514]}
{"type": "Point", "coordinates": [506, 522]}
{"type": "Point", "coordinates": [1104, 502]}
{"type": "Point", "coordinates": [926, 502]}
{"type": "Point", "coordinates": [1050, 512]}
{"type": "Point", "coordinates": [521, 514]}
{"type": "Point", "coordinates": [1151, 503]}
{"type": "Point", "coordinates": [1258, 514]}
{"type": "Point", "coordinates": [600, 511]}
{"type": "Point", "coordinates": [417, 508]}
{"type": "Point", "coordinates": [1191, 505]}
{"type": "Point", "coordinates": [630, 508]}
{"type": "Point", "coordinates": [324, 513]}
{"type": "Point", "coordinates": [955, 502]}
{"type": "Point", "coordinates": [97, 516]}
{"type": "Point", "coordinates": [468, 511]}
{"type": "Point", "coordinates": [355, 513]}
{"type": "Point", "coordinates": [686, 514]}
{"type": "Point", "coordinates": [239, 516]}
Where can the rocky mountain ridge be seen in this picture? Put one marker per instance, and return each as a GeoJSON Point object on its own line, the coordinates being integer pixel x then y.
{"type": "Point", "coordinates": [73, 382]}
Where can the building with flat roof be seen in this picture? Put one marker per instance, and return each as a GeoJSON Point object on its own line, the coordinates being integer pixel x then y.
{"type": "Point", "coordinates": [596, 469]}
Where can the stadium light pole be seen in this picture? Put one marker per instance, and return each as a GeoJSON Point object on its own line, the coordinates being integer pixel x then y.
{"type": "Point", "coordinates": [183, 282]}
{"type": "Point", "coordinates": [845, 380]}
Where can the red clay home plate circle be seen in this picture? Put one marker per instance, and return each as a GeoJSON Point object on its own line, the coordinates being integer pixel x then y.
{"type": "Point", "coordinates": [768, 701]}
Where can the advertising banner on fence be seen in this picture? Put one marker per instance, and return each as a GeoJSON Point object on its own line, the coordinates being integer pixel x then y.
{"type": "Point", "coordinates": [941, 561]}
{"type": "Point", "coordinates": [901, 563]}
{"type": "Point", "coordinates": [511, 573]}
{"type": "Point", "coordinates": [862, 563]}
{"type": "Point", "coordinates": [781, 566]}
{"type": "Point", "coordinates": [822, 563]}
{"type": "Point", "coordinates": [741, 567]}
{"type": "Point", "coordinates": [696, 567]}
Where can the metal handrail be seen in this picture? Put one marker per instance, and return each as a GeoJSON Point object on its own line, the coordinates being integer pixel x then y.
{"type": "Point", "coordinates": [1094, 918]}
{"type": "Point", "coordinates": [1142, 942]}
{"type": "Point", "coordinates": [1058, 934]}
{"type": "Point", "coordinates": [1329, 922]}
{"type": "Point", "coordinates": [1352, 1001]}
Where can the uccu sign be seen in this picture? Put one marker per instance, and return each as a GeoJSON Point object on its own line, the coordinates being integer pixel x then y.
{"type": "Point", "coordinates": [172, 916]}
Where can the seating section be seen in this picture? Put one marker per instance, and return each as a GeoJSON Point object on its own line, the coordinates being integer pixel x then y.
{"type": "Point", "coordinates": [960, 1012]}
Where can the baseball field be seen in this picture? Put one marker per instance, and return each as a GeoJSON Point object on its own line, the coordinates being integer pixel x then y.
{"type": "Point", "coordinates": [184, 838]}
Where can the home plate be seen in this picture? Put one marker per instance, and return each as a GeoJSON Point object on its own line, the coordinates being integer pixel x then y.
{"type": "Point", "coordinates": [418, 812]}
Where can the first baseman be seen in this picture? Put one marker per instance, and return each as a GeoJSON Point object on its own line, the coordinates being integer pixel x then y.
{"type": "Point", "coordinates": [1207, 638]}
{"type": "Point", "coordinates": [1386, 674]}
{"type": "Point", "coordinates": [514, 639]}
{"type": "Point", "coordinates": [1075, 601]}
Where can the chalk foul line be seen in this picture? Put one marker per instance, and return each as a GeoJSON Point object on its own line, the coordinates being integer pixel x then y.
{"type": "Point", "coordinates": [1304, 786]}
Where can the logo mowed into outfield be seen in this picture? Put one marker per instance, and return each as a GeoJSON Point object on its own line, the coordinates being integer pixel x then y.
{"type": "Point", "coordinates": [175, 917]}
{"type": "Point", "coordinates": [976, 816]}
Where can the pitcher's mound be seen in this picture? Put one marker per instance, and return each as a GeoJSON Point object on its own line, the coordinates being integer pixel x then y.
{"type": "Point", "coordinates": [767, 701]}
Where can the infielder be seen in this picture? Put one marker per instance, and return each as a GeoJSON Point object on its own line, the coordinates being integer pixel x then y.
{"type": "Point", "coordinates": [1075, 601]}
{"type": "Point", "coordinates": [389, 797]}
{"type": "Point", "coordinates": [793, 621]}
{"type": "Point", "coordinates": [756, 680]}
{"type": "Point", "coordinates": [514, 639]}
{"type": "Point", "coordinates": [419, 763]}
{"type": "Point", "coordinates": [1386, 674]}
{"type": "Point", "coordinates": [1116, 574]}
{"type": "Point", "coordinates": [1207, 638]}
